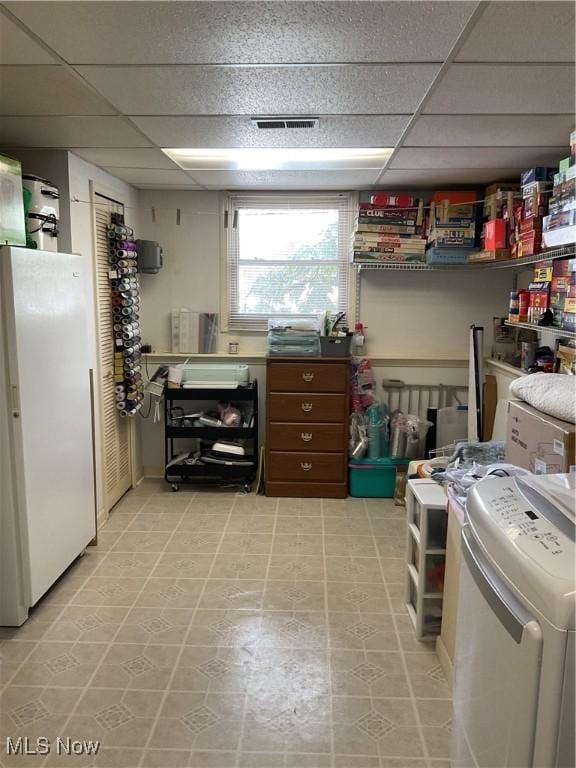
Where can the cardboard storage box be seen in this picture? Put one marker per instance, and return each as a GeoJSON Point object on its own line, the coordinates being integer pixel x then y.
{"type": "Point", "coordinates": [538, 442]}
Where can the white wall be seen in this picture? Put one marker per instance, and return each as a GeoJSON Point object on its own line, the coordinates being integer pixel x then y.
{"type": "Point", "coordinates": [191, 273]}
{"type": "Point", "coordinates": [421, 319]}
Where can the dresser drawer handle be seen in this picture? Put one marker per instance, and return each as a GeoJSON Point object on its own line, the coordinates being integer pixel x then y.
{"type": "Point", "coordinates": [307, 407]}
{"type": "Point", "coordinates": [306, 466]}
{"type": "Point", "coordinates": [308, 376]}
{"type": "Point", "coordinates": [306, 436]}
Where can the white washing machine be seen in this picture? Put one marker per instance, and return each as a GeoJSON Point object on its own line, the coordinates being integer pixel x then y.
{"type": "Point", "coordinates": [514, 663]}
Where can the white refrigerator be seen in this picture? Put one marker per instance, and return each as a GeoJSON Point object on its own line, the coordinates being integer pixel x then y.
{"type": "Point", "coordinates": [47, 483]}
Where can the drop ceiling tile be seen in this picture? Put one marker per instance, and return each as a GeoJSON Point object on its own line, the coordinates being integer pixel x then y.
{"type": "Point", "coordinates": [68, 132]}
{"type": "Point", "coordinates": [292, 179]}
{"type": "Point", "coordinates": [150, 176]}
{"type": "Point", "coordinates": [522, 31]}
{"type": "Point", "coordinates": [490, 131]}
{"type": "Point", "coordinates": [484, 157]}
{"type": "Point", "coordinates": [246, 32]}
{"type": "Point", "coordinates": [128, 158]}
{"type": "Point", "coordinates": [239, 131]}
{"type": "Point", "coordinates": [439, 177]}
{"type": "Point", "coordinates": [16, 47]}
{"type": "Point", "coordinates": [263, 90]}
{"type": "Point", "coordinates": [504, 89]}
{"type": "Point", "coordinates": [46, 90]}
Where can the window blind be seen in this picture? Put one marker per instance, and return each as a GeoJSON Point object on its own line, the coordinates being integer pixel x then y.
{"type": "Point", "coordinates": [287, 255]}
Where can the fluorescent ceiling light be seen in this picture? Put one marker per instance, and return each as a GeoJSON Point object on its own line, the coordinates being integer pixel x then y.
{"type": "Point", "coordinates": [295, 159]}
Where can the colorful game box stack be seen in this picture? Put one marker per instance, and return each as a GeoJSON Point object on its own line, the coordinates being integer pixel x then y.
{"type": "Point", "coordinates": [563, 293]}
{"type": "Point", "coordinates": [526, 239]}
{"type": "Point", "coordinates": [560, 224]}
{"type": "Point", "coordinates": [123, 278]}
{"type": "Point", "coordinates": [498, 222]}
{"type": "Point", "coordinates": [389, 228]}
{"type": "Point", "coordinates": [452, 227]}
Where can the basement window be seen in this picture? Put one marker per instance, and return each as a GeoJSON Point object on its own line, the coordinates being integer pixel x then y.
{"type": "Point", "coordinates": [286, 255]}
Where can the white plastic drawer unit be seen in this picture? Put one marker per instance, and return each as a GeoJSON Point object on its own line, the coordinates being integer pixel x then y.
{"type": "Point", "coordinates": [514, 661]}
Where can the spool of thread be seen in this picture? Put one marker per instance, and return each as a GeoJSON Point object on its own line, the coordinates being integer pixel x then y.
{"type": "Point", "coordinates": [121, 405]}
{"type": "Point", "coordinates": [119, 388]}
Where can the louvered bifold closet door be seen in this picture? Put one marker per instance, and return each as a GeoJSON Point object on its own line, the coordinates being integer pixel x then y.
{"type": "Point", "coordinates": [116, 454]}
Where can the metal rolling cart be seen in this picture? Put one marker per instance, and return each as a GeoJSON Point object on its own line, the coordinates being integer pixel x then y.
{"type": "Point", "coordinates": [226, 473]}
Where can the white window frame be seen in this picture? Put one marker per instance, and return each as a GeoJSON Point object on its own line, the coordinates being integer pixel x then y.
{"type": "Point", "coordinates": [346, 202]}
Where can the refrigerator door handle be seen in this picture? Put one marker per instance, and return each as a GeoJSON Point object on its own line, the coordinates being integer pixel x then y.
{"type": "Point", "coordinates": [93, 433]}
{"type": "Point", "coordinates": [510, 612]}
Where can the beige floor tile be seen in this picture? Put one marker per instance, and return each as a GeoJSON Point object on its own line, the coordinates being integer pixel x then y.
{"type": "Point", "coordinates": [240, 567]}
{"type": "Point", "coordinates": [89, 624]}
{"type": "Point", "coordinates": [87, 564]}
{"type": "Point", "coordinates": [119, 521]}
{"type": "Point", "coordinates": [212, 503]}
{"type": "Point", "coordinates": [397, 593]}
{"type": "Point", "coordinates": [343, 507]}
{"type": "Point", "coordinates": [132, 503]}
{"type": "Point", "coordinates": [193, 542]}
{"type": "Point", "coordinates": [373, 673]}
{"type": "Point", "coordinates": [137, 541]}
{"type": "Point", "coordinates": [302, 760]}
{"type": "Point", "coordinates": [288, 723]}
{"type": "Point", "coordinates": [391, 546]}
{"type": "Point", "coordinates": [357, 597]}
{"type": "Point", "coordinates": [64, 590]}
{"type": "Point", "coordinates": [201, 721]}
{"type": "Point", "coordinates": [121, 591]}
{"type": "Point", "coordinates": [35, 711]}
{"type": "Point", "coordinates": [246, 543]}
{"type": "Point", "coordinates": [362, 631]}
{"type": "Point", "coordinates": [261, 760]}
{"type": "Point", "coordinates": [347, 525]}
{"type": "Point", "coordinates": [436, 718]}
{"type": "Point", "coordinates": [161, 625]}
{"type": "Point", "coordinates": [292, 629]}
{"type": "Point", "coordinates": [40, 619]}
{"type": "Point", "coordinates": [235, 594]}
{"type": "Point", "coordinates": [118, 565]}
{"type": "Point", "coordinates": [202, 521]}
{"type": "Point", "coordinates": [359, 761]}
{"type": "Point", "coordinates": [167, 758]}
{"type": "Point", "coordinates": [350, 570]}
{"type": "Point", "coordinates": [295, 507]}
{"type": "Point", "coordinates": [248, 523]}
{"type": "Point", "coordinates": [349, 546]}
{"type": "Point", "coordinates": [281, 671]}
{"type": "Point", "coordinates": [373, 726]}
{"type": "Point", "coordinates": [389, 526]}
{"type": "Point", "coordinates": [255, 505]}
{"type": "Point", "coordinates": [154, 521]}
{"type": "Point", "coordinates": [105, 758]}
{"type": "Point", "coordinates": [294, 596]}
{"type": "Point", "coordinates": [305, 568]}
{"type": "Point", "coordinates": [404, 762]}
{"type": "Point", "coordinates": [214, 669]}
{"type": "Point", "coordinates": [427, 676]}
{"type": "Point", "coordinates": [117, 718]}
{"type": "Point", "coordinates": [12, 654]}
{"type": "Point", "coordinates": [173, 503]}
{"type": "Point", "coordinates": [380, 508]}
{"type": "Point", "coordinates": [297, 544]}
{"type": "Point", "coordinates": [393, 570]}
{"type": "Point", "coordinates": [183, 566]}
{"type": "Point", "coordinates": [231, 628]}
{"type": "Point", "coordinates": [107, 539]}
{"type": "Point", "coordinates": [171, 593]}
{"type": "Point", "coordinates": [298, 524]}
{"type": "Point", "coordinates": [136, 667]}
{"type": "Point", "coordinates": [60, 664]}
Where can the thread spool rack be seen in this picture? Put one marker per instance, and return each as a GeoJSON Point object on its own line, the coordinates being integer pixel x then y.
{"type": "Point", "coordinates": [125, 288]}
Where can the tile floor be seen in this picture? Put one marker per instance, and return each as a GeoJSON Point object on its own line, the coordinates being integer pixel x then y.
{"type": "Point", "coordinates": [213, 630]}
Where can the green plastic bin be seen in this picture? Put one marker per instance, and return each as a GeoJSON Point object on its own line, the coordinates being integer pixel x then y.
{"type": "Point", "coordinates": [372, 478]}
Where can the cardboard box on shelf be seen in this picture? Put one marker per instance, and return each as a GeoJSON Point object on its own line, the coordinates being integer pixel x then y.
{"type": "Point", "coordinates": [569, 321]}
{"type": "Point", "coordinates": [539, 301]}
{"type": "Point", "coordinates": [536, 174]}
{"type": "Point", "coordinates": [495, 236]}
{"type": "Point", "coordinates": [560, 284]}
{"type": "Point", "coordinates": [538, 442]}
{"type": "Point", "coordinates": [561, 267]}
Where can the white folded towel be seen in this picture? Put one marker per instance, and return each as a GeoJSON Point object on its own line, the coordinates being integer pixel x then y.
{"type": "Point", "coordinates": [551, 393]}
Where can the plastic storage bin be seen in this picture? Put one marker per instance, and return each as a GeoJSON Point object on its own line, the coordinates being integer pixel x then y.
{"type": "Point", "coordinates": [372, 478]}
{"type": "Point", "coordinates": [335, 346]}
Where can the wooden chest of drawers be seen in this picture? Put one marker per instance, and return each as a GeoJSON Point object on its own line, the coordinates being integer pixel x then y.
{"type": "Point", "coordinates": [307, 427]}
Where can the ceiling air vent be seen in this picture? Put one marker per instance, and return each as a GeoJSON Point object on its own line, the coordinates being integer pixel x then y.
{"type": "Point", "coordinates": [270, 123]}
